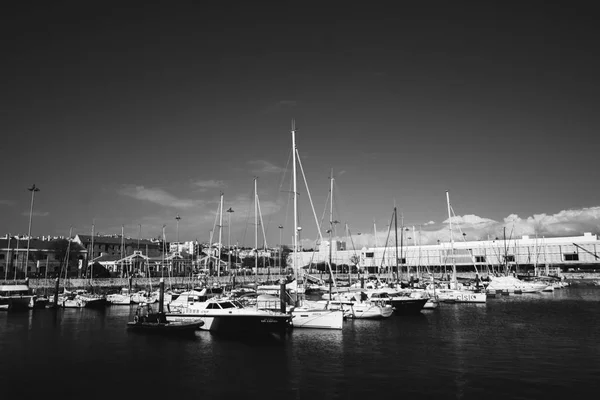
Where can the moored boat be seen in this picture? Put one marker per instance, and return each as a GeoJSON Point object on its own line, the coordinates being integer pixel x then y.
{"type": "Point", "coordinates": [15, 297]}
{"type": "Point", "coordinates": [231, 318]}
{"type": "Point", "coordinates": [145, 320]}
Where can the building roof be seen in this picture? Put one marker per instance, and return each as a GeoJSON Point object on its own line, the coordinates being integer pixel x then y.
{"type": "Point", "coordinates": [116, 240]}
{"type": "Point", "coordinates": [35, 245]}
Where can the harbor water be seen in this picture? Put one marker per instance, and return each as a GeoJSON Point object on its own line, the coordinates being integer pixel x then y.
{"type": "Point", "coordinates": [526, 346]}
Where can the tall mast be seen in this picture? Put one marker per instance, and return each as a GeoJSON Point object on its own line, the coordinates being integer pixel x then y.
{"type": "Point", "coordinates": [330, 225]}
{"type": "Point", "coordinates": [220, 230]}
{"type": "Point", "coordinates": [8, 258]}
{"type": "Point", "coordinates": [396, 238]}
{"type": "Point", "coordinates": [451, 238]}
{"type": "Point", "coordinates": [67, 257]}
{"type": "Point", "coordinates": [92, 252]}
{"type": "Point", "coordinates": [295, 193]}
{"type": "Point", "coordinates": [255, 234]}
{"type": "Point", "coordinates": [122, 242]}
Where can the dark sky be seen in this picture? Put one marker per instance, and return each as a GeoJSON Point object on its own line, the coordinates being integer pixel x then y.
{"type": "Point", "coordinates": [131, 115]}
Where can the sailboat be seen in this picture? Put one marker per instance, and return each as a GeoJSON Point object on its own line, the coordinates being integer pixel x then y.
{"type": "Point", "coordinates": [355, 304]}
{"type": "Point", "coordinates": [454, 293]}
{"type": "Point", "coordinates": [308, 314]}
{"type": "Point", "coordinates": [403, 301]}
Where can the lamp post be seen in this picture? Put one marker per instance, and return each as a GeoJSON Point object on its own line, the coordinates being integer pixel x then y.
{"type": "Point", "coordinates": [32, 189]}
{"type": "Point", "coordinates": [177, 218]}
{"type": "Point", "coordinates": [280, 231]}
{"type": "Point", "coordinates": [229, 237]}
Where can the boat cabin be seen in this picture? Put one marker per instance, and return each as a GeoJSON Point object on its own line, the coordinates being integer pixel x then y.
{"type": "Point", "coordinates": [14, 290]}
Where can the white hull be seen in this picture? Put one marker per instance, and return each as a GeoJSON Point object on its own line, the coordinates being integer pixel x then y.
{"type": "Point", "coordinates": [367, 311]}
{"type": "Point", "coordinates": [458, 296]}
{"type": "Point", "coordinates": [118, 299]}
{"type": "Point", "coordinates": [511, 284]}
{"type": "Point", "coordinates": [304, 317]}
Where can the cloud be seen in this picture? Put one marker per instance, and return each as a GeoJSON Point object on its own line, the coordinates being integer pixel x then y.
{"type": "Point", "coordinates": [263, 166]}
{"type": "Point", "coordinates": [209, 184]}
{"type": "Point", "coordinates": [157, 196]}
{"type": "Point", "coordinates": [7, 203]}
{"type": "Point", "coordinates": [563, 223]}
{"type": "Point", "coordinates": [471, 220]}
{"type": "Point", "coordinates": [429, 223]}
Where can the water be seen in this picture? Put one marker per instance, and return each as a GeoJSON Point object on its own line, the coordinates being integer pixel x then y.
{"type": "Point", "coordinates": [513, 347]}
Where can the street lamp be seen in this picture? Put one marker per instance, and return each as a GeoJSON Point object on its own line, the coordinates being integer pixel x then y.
{"type": "Point", "coordinates": [229, 237]}
{"type": "Point", "coordinates": [32, 189]}
{"type": "Point", "coordinates": [280, 231]}
{"type": "Point", "coordinates": [178, 218]}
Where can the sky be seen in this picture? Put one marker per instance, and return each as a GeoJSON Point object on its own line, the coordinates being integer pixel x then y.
{"type": "Point", "coordinates": [126, 117]}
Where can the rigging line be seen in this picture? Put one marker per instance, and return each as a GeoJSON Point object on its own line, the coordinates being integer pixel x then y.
{"type": "Point", "coordinates": [248, 214]}
{"type": "Point", "coordinates": [336, 203]}
{"type": "Point", "coordinates": [314, 214]}
{"type": "Point", "coordinates": [309, 197]}
{"type": "Point", "coordinates": [470, 251]}
{"type": "Point", "coordinates": [324, 212]}
{"type": "Point", "coordinates": [260, 218]}
{"type": "Point", "coordinates": [387, 239]}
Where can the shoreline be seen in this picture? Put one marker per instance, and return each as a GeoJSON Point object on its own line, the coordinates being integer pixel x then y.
{"type": "Point", "coordinates": [113, 285]}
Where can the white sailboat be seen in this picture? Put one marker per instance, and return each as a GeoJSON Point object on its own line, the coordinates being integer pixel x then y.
{"type": "Point", "coordinates": [309, 314]}
{"type": "Point", "coordinates": [455, 293]}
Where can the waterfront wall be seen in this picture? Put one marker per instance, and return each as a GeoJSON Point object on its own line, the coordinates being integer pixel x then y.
{"type": "Point", "coordinates": [113, 285]}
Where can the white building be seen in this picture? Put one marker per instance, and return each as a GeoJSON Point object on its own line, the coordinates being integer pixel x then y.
{"type": "Point", "coordinates": [565, 252]}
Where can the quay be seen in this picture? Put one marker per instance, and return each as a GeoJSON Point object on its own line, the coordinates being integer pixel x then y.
{"type": "Point", "coordinates": [112, 285]}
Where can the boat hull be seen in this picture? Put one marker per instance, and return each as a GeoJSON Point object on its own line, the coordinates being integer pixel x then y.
{"type": "Point", "coordinates": [317, 319]}
{"type": "Point", "coordinates": [15, 303]}
{"type": "Point", "coordinates": [407, 306]}
{"type": "Point", "coordinates": [460, 296]}
{"type": "Point", "coordinates": [179, 328]}
{"type": "Point", "coordinates": [238, 324]}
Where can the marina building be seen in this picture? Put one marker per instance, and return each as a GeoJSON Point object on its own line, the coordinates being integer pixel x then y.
{"type": "Point", "coordinates": [526, 254]}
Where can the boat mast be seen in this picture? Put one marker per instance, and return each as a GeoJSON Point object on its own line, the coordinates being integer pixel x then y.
{"type": "Point", "coordinates": [220, 230]}
{"type": "Point", "coordinates": [396, 238]}
{"type": "Point", "coordinates": [17, 253]}
{"type": "Point", "coordinates": [92, 251]}
{"type": "Point", "coordinates": [295, 193]}
{"type": "Point", "coordinates": [451, 240]}
{"type": "Point", "coordinates": [122, 242]}
{"type": "Point", "coordinates": [255, 235]}
{"type": "Point", "coordinates": [67, 257]}
{"type": "Point", "coordinates": [8, 258]}
{"type": "Point", "coordinates": [330, 229]}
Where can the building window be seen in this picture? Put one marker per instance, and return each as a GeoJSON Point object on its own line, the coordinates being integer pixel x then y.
{"type": "Point", "coordinates": [509, 258]}
{"type": "Point", "coordinates": [2, 256]}
{"type": "Point", "coordinates": [480, 259]}
{"type": "Point", "coordinates": [369, 255]}
{"type": "Point", "coordinates": [571, 257]}
{"type": "Point", "coordinates": [402, 260]}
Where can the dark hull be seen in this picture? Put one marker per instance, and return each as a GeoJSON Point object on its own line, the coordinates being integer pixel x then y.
{"type": "Point", "coordinates": [16, 303]}
{"type": "Point", "coordinates": [408, 307]}
{"type": "Point", "coordinates": [241, 325]}
{"type": "Point", "coordinates": [175, 328]}
{"type": "Point", "coordinates": [100, 303]}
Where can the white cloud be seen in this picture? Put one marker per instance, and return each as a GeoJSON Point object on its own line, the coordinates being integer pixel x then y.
{"type": "Point", "coordinates": [563, 223]}
{"type": "Point", "coordinates": [263, 166]}
{"type": "Point", "coordinates": [157, 196]}
{"type": "Point", "coordinates": [429, 223]}
{"type": "Point", "coordinates": [471, 220]}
